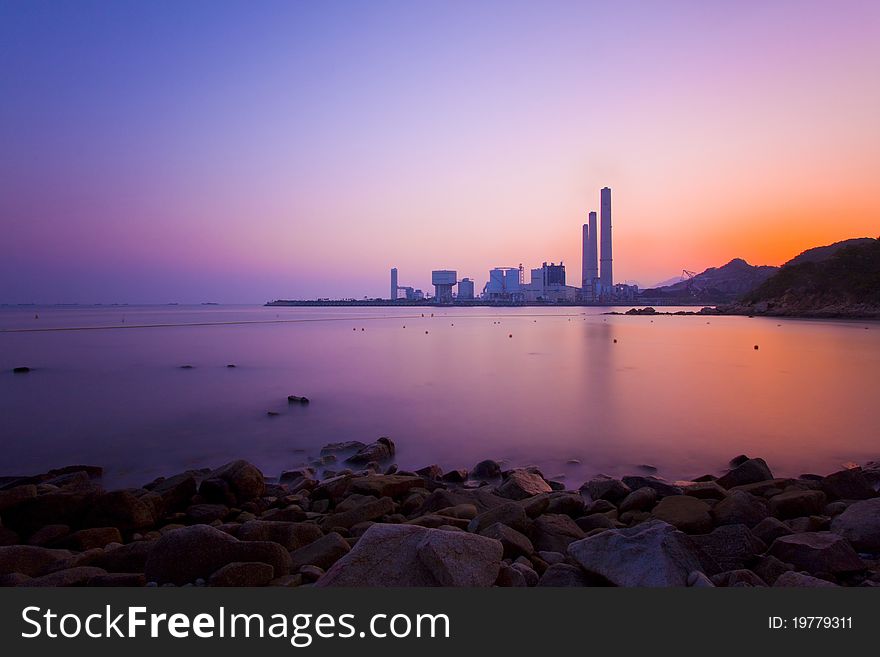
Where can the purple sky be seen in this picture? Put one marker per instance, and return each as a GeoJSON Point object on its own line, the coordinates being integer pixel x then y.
{"type": "Point", "coordinates": [239, 152]}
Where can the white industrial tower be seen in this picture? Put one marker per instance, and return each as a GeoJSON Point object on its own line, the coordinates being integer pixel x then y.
{"type": "Point", "coordinates": [606, 274]}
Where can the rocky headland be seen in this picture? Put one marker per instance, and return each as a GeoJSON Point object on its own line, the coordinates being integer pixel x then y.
{"type": "Point", "coordinates": [371, 524]}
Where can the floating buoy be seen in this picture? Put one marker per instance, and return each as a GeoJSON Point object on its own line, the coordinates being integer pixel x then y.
{"type": "Point", "coordinates": [231, 365]}
{"type": "Point", "coordinates": [756, 347]}
{"type": "Point", "coordinates": [362, 329]}
{"type": "Point", "coordinates": [353, 328]}
{"type": "Point", "coordinates": [426, 333]}
{"type": "Point", "coordinates": [510, 335]}
{"type": "Point", "coordinates": [615, 340]}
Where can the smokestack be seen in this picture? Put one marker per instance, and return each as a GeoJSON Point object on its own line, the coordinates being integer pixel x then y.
{"type": "Point", "coordinates": [394, 283]}
{"type": "Point", "coordinates": [607, 276]}
{"type": "Point", "coordinates": [593, 261]}
{"type": "Point", "coordinates": [585, 260]}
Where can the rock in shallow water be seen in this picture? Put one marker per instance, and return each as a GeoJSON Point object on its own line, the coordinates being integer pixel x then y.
{"type": "Point", "coordinates": [407, 555]}
{"type": "Point", "coordinates": [521, 484]}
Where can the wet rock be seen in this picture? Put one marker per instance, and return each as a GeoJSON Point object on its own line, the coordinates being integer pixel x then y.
{"type": "Point", "coordinates": [21, 369]}
{"type": "Point", "coordinates": [87, 539]}
{"type": "Point", "coordinates": [242, 573]}
{"type": "Point", "coordinates": [704, 490]}
{"type": "Point", "coordinates": [686, 513]}
{"type": "Point", "coordinates": [323, 552]}
{"type": "Point", "coordinates": [848, 485]}
{"type": "Point", "coordinates": [372, 510]}
{"type": "Point", "coordinates": [769, 529]}
{"type": "Point", "coordinates": [385, 485]}
{"type": "Point", "coordinates": [77, 576]}
{"type": "Point", "coordinates": [487, 469]}
{"type": "Point", "coordinates": [430, 472]}
{"type": "Point", "coordinates": [535, 505]}
{"type": "Point", "coordinates": [748, 472]}
{"type": "Point", "coordinates": [802, 580]}
{"type": "Point", "coordinates": [455, 476]}
{"type": "Point", "coordinates": [641, 499]}
{"type": "Point", "coordinates": [333, 488]}
{"type": "Point", "coordinates": [290, 535]}
{"type": "Point", "coordinates": [563, 575]}
{"type": "Point", "coordinates": [521, 484]}
{"type": "Point", "coordinates": [797, 503]}
{"type": "Point", "coordinates": [740, 508]}
{"type": "Point", "coordinates": [379, 451]}
{"type": "Point", "coordinates": [514, 543]}
{"type": "Point", "coordinates": [301, 478]}
{"type": "Point", "coordinates": [406, 555]}
{"type": "Point", "coordinates": [661, 487]}
{"type": "Point", "coordinates": [741, 577]}
{"type": "Point", "coordinates": [570, 504]}
{"type": "Point", "coordinates": [732, 547]}
{"type": "Point", "coordinates": [817, 552]}
{"type": "Point", "coordinates": [30, 560]}
{"type": "Point", "coordinates": [651, 554]}
{"type": "Point", "coordinates": [860, 525]}
{"type": "Point", "coordinates": [245, 480]}
{"type": "Point", "coordinates": [555, 532]}
{"type": "Point", "coordinates": [606, 488]}
{"type": "Point", "coordinates": [511, 514]}
{"type": "Point", "coordinates": [345, 446]}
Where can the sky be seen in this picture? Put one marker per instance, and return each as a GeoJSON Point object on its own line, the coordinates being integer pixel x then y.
{"type": "Point", "coordinates": [238, 152]}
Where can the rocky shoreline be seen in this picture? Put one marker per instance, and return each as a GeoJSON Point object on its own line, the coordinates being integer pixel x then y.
{"type": "Point", "coordinates": [370, 524]}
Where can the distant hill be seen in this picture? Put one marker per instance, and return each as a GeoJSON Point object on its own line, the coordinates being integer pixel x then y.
{"type": "Point", "coordinates": [839, 280]}
{"type": "Point", "coordinates": [716, 284]}
{"type": "Point", "coordinates": [667, 282]}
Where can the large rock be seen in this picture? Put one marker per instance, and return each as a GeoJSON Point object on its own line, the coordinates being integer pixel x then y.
{"type": "Point", "coordinates": [514, 543]}
{"type": "Point", "coordinates": [555, 532]}
{"type": "Point", "coordinates": [407, 555]}
{"type": "Point", "coordinates": [733, 547]}
{"type": "Point", "coordinates": [76, 576]}
{"type": "Point", "coordinates": [817, 552]}
{"type": "Point", "coordinates": [751, 471]}
{"type": "Point", "coordinates": [184, 555]}
{"type": "Point", "coordinates": [769, 529]}
{"type": "Point", "coordinates": [128, 558]}
{"type": "Point", "coordinates": [510, 513]}
{"type": "Point", "coordinates": [641, 499]}
{"type": "Point", "coordinates": [651, 554]}
{"type": "Point", "coordinates": [660, 486]}
{"type": "Point", "coordinates": [385, 485]}
{"type": "Point", "coordinates": [371, 510]}
{"type": "Point", "coordinates": [30, 560]}
{"type": "Point", "coordinates": [521, 484]}
{"type": "Point", "coordinates": [684, 512]}
{"type": "Point", "coordinates": [323, 552]}
{"type": "Point", "coordinates": [177, 491]}
{"type": "Point", "coordinates": [607, 488]}
{"type": "Point", "coordinates": [740, 508]}
{"type": "Point", "coordinates": [290, 535]}
{"type": "Point", "coordinates": [87, 539]}
{"type": "Point", "coordinates": [121, 509]}
{"type": "Point", "coordinates": [797, 503]}
{"type": "Point", "coordinates": [379, 451]}
{"type": "Point", "coordinates": [860, 525]}
{"type": "Point", "coordinates": [245, 479]}
{"type": "Point", "coordinates": [848, 485]}
{"type": "Point", "coordinates": [487, 469]}
{"type": "Point", "coordinates": [14, 496]}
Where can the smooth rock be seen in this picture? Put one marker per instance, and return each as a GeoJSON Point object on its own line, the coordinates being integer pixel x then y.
{"type": "Point", "coordinates": [121, 509]}
{"type": "Point", "coordinates": [797, 503]}
{"type": "Point", "coordinates": [290, 535]}
{"type": "Point", "coordinates": [817, 552]}
{"type": "Point", "coordinates": [87, 539]}
{"type": "Point", "coordinates": [30, 560]}
{"type": "Point", "coordinates": [860, 525]}
{"type": "Point", "coordinates": [323, 552]}
{"type": "Point", "coordinates": [686, 513]}
{"type": "Point", "coordinates": [487, 469]}
{"type": "Point", "coordinates": [748, 472]}
{"type": "Point", "coordinates": [511, 514]}
{"type": "Point", "coordinates": [513, 542]}
{"type": "Point", "coordinates": [77, 576]}
{"type": "Point", "coordinates": [521, 484]}
{"type": "Point", "coordinates": [641, 499]}
{"type": "Point", "coordinates": [555, 532]}
{"type": "Point", "coordinates": [740, 508]}
{"type": "Point", "coordinates": [848, 485]}
{"type": "Point", "coordinates": [372, 510]}
{"type": "Point", "coordinates": [740, 577]}
{"type": "Point", "coordinates": [381, 450]}
{"type": "Point", "coordinates": [245, 479]}
{"type": "Point", "coordinates": [660, 486]}
{"type": "Point", "coordinates": [606, 488]}
{"type": "Point", "coordinates": [407, 555]}
{"type": "Point", "coordinates": [769, 529]}
{"type": "Point", "coordinates": [385, 485]}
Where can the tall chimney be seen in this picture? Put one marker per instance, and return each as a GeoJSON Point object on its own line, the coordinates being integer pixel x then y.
{"type": "Point", "coordinates": [394, 283]}
{"type": "Point", "coordinates": [607, 275]}
{"type": "Point", "coordinates": [593, 270]}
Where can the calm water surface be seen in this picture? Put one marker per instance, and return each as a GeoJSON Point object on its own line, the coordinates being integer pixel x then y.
{"type": "Point", "coordinates": [682, 394]}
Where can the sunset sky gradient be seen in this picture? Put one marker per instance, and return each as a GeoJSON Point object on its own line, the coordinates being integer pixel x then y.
{"type": "Point", "coordinates": [240, 152]}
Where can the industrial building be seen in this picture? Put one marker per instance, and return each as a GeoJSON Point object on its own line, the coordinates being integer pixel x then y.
{"type": "Point", "coordinates": [443, 281]}
{"type": "Point", "coordinates": [505, 284]}
{"type": "Point", "coordinates": [409, 293]}
{"type": "Point", "coordinates": [465, 290]}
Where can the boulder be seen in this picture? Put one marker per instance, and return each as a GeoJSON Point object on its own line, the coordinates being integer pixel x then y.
{"type": "Point", "coordinates": [860, 525]}
{"type": "Point", "coordinates": [769, 568]}
{"type": "Point", "coordinates": [641, 499]}
{"type": "Point", "coordinates": [407, 555]}
{"type": "Point", "coordinates": [77, 576]}
{"type": "Point", "coordinates": [49, 534]}
{"type": "Point", "coordinates": [817, 552]}
{"type": "Point", "coordinates": [55, 508]}
{"type": "Point", "coordinates": [594, 521]}
{"type": "Point", "coordinates": [206, 513]}
{"type": "Point", "coordinates": [555, 532]}
{"type": "Point", "coordinates": [509, 577]}
{"type": "Point", "coordinates": [563, 575]}
{"type": "Point", "coordinates": [704, 490]}
{"type": "Point", "coordinates": [87, 539]}
{"type": "Point", "coordinates": [570, 504]}
{"type": "Point", "coordinates": [121, 509]}
{"type": "Point", "coordinates": [607, 488]}
{"type": "Point", "coordinates": [14, 496]}
{"type": "Point", "coordinates": [176, 491]}
{"type": "Point", "coordinates": [513, 542]}
{"type": "Point", "coordinates": [242, 573]}
{"type": "Point", "coordinates": [521, 484]}
{"type": "Point", "coordinates": [797, 503]}
{"type": "Point", "coordinates": [184, 555]}
{"type": "Point", "coordinates": [30, 560]}
{"type": "Point", "coordinates": [481, 498]}
{"type": "Point", "coordinates": [245, 480]}
{"type": "Point", "coordinates": [487, 469]}
{"type": "Point", "coordinates": [456, 476]}
{"type": "Point", "coordinates": [372, 510]}
{"type": "Point", "coordinates": [732, 547]}
{"type": "Point", "coordinates": [345, 446]}
{"type": "Point", "coordinates": [290, 535]}
{"type": "Point", "coordinates": [849, 484]}
{"type": "Point", "coordinates": [379, 451]}
{"type": "Point", "coordinates": [528, 573]}
{"type": "Point", "coordinates": [385, 485]}
{"type": "Point", "coordinates": [684, 512]}
{"type": "Point", "coordinates": [740, 508]}
{"type": "Point", "coordinates": [510, 514]}
{"type": "Point", "coordinates": [769, 529]}
{"type": "Point", "coordinates": [660, 486]}
{"type": "Point", "coordinates": [802, 580]}
{"type": "Point", "coordinates": [128, 558]}
{"type": "Point", "coordinates": [750, 471]}
{"type": "Point", "coordinates": [651, 554]}
{"type": "Point", "coordinates": [323, 552]}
